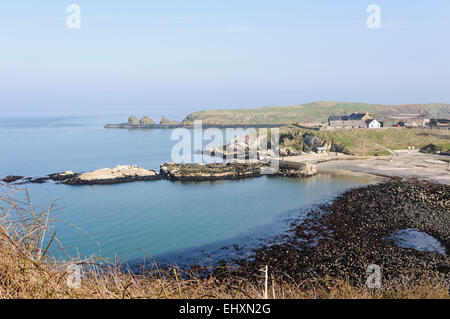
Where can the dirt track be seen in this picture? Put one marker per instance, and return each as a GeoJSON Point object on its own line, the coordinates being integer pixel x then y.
{"type": "Point", "coordinates": [404, 165]}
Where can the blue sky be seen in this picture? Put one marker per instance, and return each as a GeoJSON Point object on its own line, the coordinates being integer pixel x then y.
{"type": "Point", "coordinates": [180, 56]}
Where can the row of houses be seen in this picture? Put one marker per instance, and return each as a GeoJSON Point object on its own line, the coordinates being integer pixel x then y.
{"type": "Point", "coordinates": [355, 120]}
{"type": "Point", "coordinates": [365, 120]}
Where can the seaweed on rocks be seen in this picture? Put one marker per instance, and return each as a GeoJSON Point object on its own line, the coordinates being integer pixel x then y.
{"type": "Point", "coordinates": [11, 179]}
{"type": "Point", "coordinates": [209, 172]}
{"type": "Point", "coordinates": [63, 176]}
{"type": "Point", "coordinates": [38, 180]}
{"type": "Point", "coordinates": [339, 240]}
{"type": "Point", "coordinates": [111, 181]}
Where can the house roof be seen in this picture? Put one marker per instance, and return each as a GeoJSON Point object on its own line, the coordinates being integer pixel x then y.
{"type": "Point", "coordinates": [352, 117]}
{"type": "Point", "coordinates": [357, 116]}
{"type": "Point", "coordinates": [336, 118]}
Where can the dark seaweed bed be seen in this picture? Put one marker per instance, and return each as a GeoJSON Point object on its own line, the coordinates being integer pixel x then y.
{"type": "Point", "coordinates": [340, 239]}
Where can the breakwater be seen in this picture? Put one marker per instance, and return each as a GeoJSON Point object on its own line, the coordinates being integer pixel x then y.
{"type": "Point", "coordinates": [171, 171]}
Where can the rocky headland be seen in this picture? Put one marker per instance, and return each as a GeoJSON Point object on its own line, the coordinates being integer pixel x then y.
{"type": "Point", "coordinates": [147, 123]}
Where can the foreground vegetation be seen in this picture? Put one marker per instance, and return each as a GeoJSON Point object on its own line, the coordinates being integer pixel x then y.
{"type": "Point", "coordinates": [365, 141]}
{"type": "Point", "coordinates": [311, 112]}
{"type": "Point", "coordinates": [28, 270]}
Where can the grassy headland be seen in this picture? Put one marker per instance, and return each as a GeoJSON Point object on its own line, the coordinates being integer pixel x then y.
{"type": "Point", "coordinates": [363, 141]}
{"type": "Point", "coordinates": [312, 112]}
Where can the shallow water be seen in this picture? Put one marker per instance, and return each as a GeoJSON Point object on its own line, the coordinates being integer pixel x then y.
{"type": "Point", "coordinates": [156, 218]}
{"type": "Point", "coordinates": [415, 239]}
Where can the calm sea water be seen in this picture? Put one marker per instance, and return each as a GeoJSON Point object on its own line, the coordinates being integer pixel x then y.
{"type": "Point", "coordinates": [159, 218]}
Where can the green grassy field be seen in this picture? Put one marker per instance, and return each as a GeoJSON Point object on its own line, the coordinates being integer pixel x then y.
{"type": "Point", "coordinates": [312, 112]}
{"type": "Point", "coordinates": [367, 141]}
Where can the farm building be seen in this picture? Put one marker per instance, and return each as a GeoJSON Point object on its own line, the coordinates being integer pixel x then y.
{"type": "Point", "coordinates": [355, 120]}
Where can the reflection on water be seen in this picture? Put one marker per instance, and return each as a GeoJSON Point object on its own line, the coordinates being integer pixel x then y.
{"type": "Point", "coordinates": [159, 218]}
{"type": "Point", "coordinates": [162, 217]}
{"type": "Point", "coordinates": [415, 239]}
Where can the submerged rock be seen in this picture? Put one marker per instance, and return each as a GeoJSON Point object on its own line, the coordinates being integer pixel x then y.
{"type": "Point", "coordinates": [118, 174]}
{"type": "Point", "coordinates": [11, 179]}
{"type": "Point", "coordinates": [38, 180]}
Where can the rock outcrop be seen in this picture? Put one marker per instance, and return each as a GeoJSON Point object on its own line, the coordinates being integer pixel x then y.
{"type": "Point", "coordinates": [433, 149]}
{"type": "Point", "coordinates": [165, 122]}
{"type": "Point", "coordinates": [289, 151]}
{"type": "Point", "coordinates": [11, 179]}
{"type": "Point", "coordinates": [20, 180]}
{"type": "Point", "coordinates": [116, 175]}
{"type": "Point", "coordinates": [58, 177]}
{"type": "Point", "coordinates": [306, 170]}
{"type": "Point", "coordinates": [294, 143]}
{"type": "Point", "coordinates": [133, 120]}
{"type": "Point", "coordinates": [36, 180]}
{"type": "Point", "coordinates": [201, 172]}
{"type": "Point", "coordinates": [145, 120]}
{"type": "Point", "coordinates": [291, 143]}
{"type": "Point", "coordinates": [249, 146]}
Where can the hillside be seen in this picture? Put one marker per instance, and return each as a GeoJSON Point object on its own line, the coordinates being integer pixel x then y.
{"type": "Point", "coordinates": [312, 112]}
{"type": "Point", "coordinates": [361, 141]}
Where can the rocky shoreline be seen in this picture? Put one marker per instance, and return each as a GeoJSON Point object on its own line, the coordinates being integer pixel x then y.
{"type": "Point", "coordinates": [168, 171]}
{"type": "Point", "coordinates": [340, 239]}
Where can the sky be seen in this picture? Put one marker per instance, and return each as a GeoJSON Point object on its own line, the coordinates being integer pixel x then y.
{"type": "Point", "coordinates": [179, 56]}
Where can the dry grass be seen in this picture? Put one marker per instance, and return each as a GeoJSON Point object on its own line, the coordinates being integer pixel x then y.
{"type": "Point", "coordinates": [370, 141]}
{"type": "Point", "coordinates": [28, 270]}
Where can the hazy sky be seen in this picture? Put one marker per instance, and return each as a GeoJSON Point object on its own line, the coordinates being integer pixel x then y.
{"type": "Point", "coordinates": [137, 56]}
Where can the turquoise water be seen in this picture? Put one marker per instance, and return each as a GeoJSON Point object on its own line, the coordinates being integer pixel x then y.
{"type": "Point", "coordinates": [157, 218]}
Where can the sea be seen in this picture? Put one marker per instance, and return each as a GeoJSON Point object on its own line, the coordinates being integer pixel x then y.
{"type": "Point", "coordinates": [164, 221]}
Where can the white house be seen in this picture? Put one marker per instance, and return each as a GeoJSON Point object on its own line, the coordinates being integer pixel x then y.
{"type": "Point", "coordinates": [373, 124]}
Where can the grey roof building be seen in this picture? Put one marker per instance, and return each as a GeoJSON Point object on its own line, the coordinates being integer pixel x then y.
{"type": "Point", "coordinates": [354, 120]}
